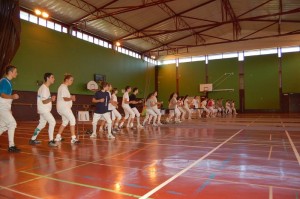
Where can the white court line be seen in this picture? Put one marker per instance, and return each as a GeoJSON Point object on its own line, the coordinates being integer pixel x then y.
{"type": "Point", "coordinates": [293, 147]}
{"type": "Point", "coordinates": [187, 168]}
{"type": "Point", "coordinates": [21, 193]}
{"type": "Point", "coordinates": [269, 157]}
{"type": "Point", "coordinates": [270, 192]}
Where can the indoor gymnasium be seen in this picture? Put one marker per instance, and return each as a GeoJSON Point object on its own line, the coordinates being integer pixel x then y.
{"type": "Point", "coordinates": [150, 99]}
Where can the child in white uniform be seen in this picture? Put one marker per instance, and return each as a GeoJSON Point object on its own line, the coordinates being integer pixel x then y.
{"type": "Point", "coordinates": [7, 121]}
{"type": "Point", "coordinates": [181, 109]}
{"type": "Point", "coordinates": [129, 114]}
{"type": "Point", "coordinates": [204, 108]}
{"type": "Point", "coordinates": [116, 116]}
{"type": "Point", "coordinates": [186, 107]}
{"type": "Point", "coordinates": [150, 103]}
{"type": "Point", "coordinates": [44, 106]}
{"type": "Point", "coordinates": [195, 103]}
{"type": "Point", "coordinates": [156, 109]}
{"type": "Point", "coordinates": [63, 106]}
{"type": "Point", "coordinates": [173, 109]}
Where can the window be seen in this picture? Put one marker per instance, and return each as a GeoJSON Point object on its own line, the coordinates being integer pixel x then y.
{"type": "Point", "coordinates": [91, 39]}
{"type": "Point", "coordinates": [96, 41]}
{"type": "Point", "coordinates": [268, 51]}
{"type": "Point", "coordinates": [50, 24]}
{"type": "Point", "coordinates": [85, 37]}
{"type": "Point", "coordinates": [119, 49]}
{"type": "Point", "coordinates": [290, 49]}
{"type": "Point", "coordinates": [65, 30]}
{"type": "Point", "coordinates": [33, 18]}
{"type": "Point", "coordinates": [172, 61]}
{"type": "Point", "coordinates": [74, 33]}
{"type": "Point", "coordinates": [183, 60]}
{"type": "Point", "coordinates": [200, 58]}
{"type": "Point", "coordinates": [230, 55]}
{"type": "Point", "coordinates": [251, 53]}
{"type": "Point", "coordinates": [42, 22]}
{"type": "Point", "coordinates": [101, 43]}
{"type": "Point", "coordinates": [105, 44]}
{"type": "Point", "coordinates": [57, 27]}
{"type": "Point", "coordinates": [79, 35]}
{"type": "Point", "coordinates": [109, 46]}
{"type": "Point", "coordinates": [212, 57]}
{"type": "Point", "coordinates": [24, 15]}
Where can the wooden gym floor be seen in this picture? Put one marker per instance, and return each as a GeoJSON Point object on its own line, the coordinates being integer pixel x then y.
{"type": "Point", "coordinates": [251, 156]}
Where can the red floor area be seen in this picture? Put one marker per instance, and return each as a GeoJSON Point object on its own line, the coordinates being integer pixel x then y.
{"type": "Point", "coordinates": [247, 157]}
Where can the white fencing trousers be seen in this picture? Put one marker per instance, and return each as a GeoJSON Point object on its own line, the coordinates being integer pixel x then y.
{"type": "Point", "coordinates": [106, 117]}
{"type": "Point", "coordinates": [175, 112]}
{"type": "Point", "coordinates": [44, 118]}
{"type": "Point", "coordinates": [67, 116]}
{"type": "Point", "coordinates": [156, 110]}
{"type": "Point", "coordinates": [188, 110]}
{"type": "Point", "coordinates": [128, 112]}
{"type": "Point", "coordinates": [148, 113]}
{"type": "Point", "coordinates": [136, 112]}
{"type": "Point", "coordinates": [9, 124]}
{"type": "Point", "coordinates": [115, 114]}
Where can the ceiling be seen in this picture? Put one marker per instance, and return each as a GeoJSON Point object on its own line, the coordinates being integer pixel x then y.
{"type": "Point", "coordinates": [171, 29]}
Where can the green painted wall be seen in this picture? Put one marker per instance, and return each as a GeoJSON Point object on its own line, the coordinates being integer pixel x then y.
{"type": "Point", "coordinates": [216, 70]}
{"type": "Point", "coordinates": [191, 75]}
{"type": "Point", "coordinates": [291, 73]}
{"type": "Point", "coordinates": [45, 50]}
{"type": "Point", "coordinates": [261, 82]}
{"type": "Point", "coordinates": [166, 82]}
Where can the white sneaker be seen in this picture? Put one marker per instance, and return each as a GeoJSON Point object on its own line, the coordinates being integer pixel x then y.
{"type": "Point", "coordinates": [140, 126]}
{"type": "Point", "coordinates": [154, 124]}
{"type": "Point", "coordinates": [94, 135]}
{"type": "Point", "coordinates": [131, 125]}
{"type": "Point", "coordinates": [75, 141]}
{"type": "Point", "coordinates": [58, 139]}
{"type": "Point", "coordinates": [110, 136]}
{"type": "Point", "coordinates": [159, 123]}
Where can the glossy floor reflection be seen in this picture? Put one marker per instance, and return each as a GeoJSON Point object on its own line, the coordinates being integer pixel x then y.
{"type": "Point", "coordinates": [249, 156]}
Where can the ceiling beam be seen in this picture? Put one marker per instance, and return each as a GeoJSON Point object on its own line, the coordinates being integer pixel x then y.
{"type": "Point", "coordinates": [259, 30]}
{"type": "Point", "coordinates": [180, 22]}
{"type": "Point", "coordinates": [229, 12]}
{"type": "Point", "coordinates": [90, 13]}
{"type": "Point", "coordinates": [100, 14]}
{"type": "Point", "coordinates": [176, 49]}
{"type": "Point", "coordinates": [166, 19]}
{"type": "Point", "coordinates": [297, 10]}
{"type": "Point", "coordinates": [255, 8]}
{"type": "Point", "coordinates": [87, 7]}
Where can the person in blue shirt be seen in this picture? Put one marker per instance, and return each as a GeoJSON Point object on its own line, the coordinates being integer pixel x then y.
{"type": "Point", "coordinates": [7, 121]}
{"type": "Point", "coordinates": [101, 100]}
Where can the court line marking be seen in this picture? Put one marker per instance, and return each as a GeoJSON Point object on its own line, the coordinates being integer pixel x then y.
{"type": "Point", "coordinates": [147, 195]}
{"type": "Point", "coordinates": [82, 185]}
{"type": "Point", "coordinates": [269, 157]}
{"type": "Point", "coordinates": [293, 147]}
{"type": "Point", "coordinates": [270, 192]}
{"type": "Point", "coordinates": [19, 192]}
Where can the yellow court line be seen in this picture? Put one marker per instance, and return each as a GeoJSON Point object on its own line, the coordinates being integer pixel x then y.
{"type": "Point", "coordinates": [83, 185]}
{"type": "Point", "coordinates": [21, 193]}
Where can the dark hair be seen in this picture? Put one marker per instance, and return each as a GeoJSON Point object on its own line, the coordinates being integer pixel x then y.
{"type": "Point", "coordinates": [113, 90]}
{"type": "Point", "coordinates": [104, 84]}
{"type": "Point", "coordinates": [134, 89]}
{"type": "Point", "coordinates": [9, 68]}
{"type": "Point", "coordinates": [171, 96]}
{"type": "Point", "coordinates": [67, 76]}
{"type": "Point", "coordinates": [127, 87]}
{"type": "Point", "coordinates": [150, 95]}
{"type": "Point", "coordinates": [46, 76]}
{"type": "Point", "coordinates": [185, 97]}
